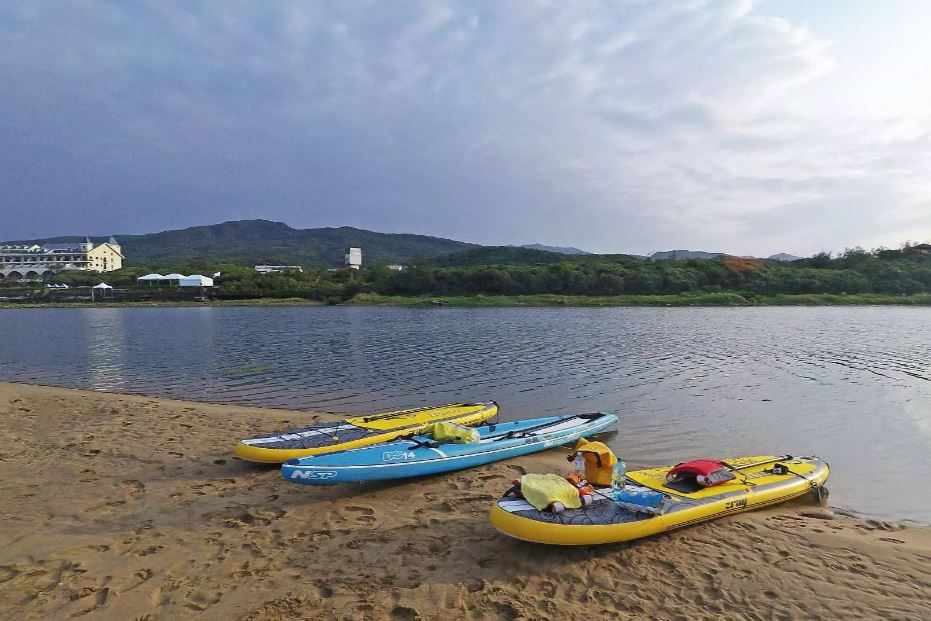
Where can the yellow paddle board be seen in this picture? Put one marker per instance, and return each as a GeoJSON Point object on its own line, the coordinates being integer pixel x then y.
{"type": "Point", "coordinates": [760, 481]}
{"type": "Point", "coordinates": [358, 431]}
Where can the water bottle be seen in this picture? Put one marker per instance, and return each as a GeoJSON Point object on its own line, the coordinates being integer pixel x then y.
{"type": "Point", "coordinates": [579, 465]}
{"type": "Point", "coordinates": [617, 479]}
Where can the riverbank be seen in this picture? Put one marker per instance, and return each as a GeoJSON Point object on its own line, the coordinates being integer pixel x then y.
{"type": "Point", "coordinates": [683, 299]}
{"type": "Point", "coordinates": [168, 303]}
{"type": "Point", "coordinates": [123, 507]}
{"type": "Point", "coordinates": [539, 300]}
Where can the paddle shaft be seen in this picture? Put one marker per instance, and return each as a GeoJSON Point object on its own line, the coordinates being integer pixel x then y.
{"type": "Point", "coordinates": [520, 432]}
{"type": "Point", "coordinates": [754, 464]}
{"type": "Point", "coordinates": [368, 419]}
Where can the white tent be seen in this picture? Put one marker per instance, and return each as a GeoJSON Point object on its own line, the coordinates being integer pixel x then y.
{"type": "Point", "coordinates": [195, 280]}
{"type": "Point", "coordinates": [173, 276]}
{"type": "Point", "coordinates": [102, 285]}
{"type": "Point", "coordinates": [151, 277]}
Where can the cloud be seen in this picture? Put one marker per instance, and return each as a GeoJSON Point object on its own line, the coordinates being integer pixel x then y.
{"type": "Point", "coordinates": [617, 126]}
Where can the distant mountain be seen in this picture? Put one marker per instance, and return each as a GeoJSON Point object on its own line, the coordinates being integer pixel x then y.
{"type": "Point", "coordinates": [556, 249]}
{"type": "Point", "coordinates": [782, 256]}
{"type": "Point", "coordinates": [500, 255]}
{"type": "Point", "coordinates": [684, 255]}
{"type": "Point", "coordinates": [688, 255]}
{"type": "Point", "coordinates": [251, 242]}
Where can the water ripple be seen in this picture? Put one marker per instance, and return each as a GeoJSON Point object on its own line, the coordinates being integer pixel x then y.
{"type": "Point", "coordinates": [852, 384]}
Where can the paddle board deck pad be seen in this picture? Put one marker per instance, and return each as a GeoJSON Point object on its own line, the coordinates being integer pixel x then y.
{"type": "Point", "coordinates": [760, 481]}
{"type": "Point", "coordinates": [358, 431]}
{"type": "Point", "coordinates": [419, 455]}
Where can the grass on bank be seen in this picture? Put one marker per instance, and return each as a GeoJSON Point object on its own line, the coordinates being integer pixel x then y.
{"type": "Point", "coordinates": [552, 300]}
{"type": "Point", "coordinates": [166, 303]}
{"type": "Point", "coordinates": [683, 299]}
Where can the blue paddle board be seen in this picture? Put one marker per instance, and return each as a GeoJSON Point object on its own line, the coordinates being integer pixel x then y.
{"type": "Point", "coordinates": [419, 455]}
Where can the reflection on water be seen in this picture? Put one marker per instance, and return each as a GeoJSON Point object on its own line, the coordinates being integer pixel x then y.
{"type": "Point", "coordinates": [105, 349]}
{"type": "Point", "coordinates": [851, 384]}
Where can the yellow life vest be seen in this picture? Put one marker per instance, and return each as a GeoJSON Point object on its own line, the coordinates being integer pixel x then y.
{"type": "Point", "coordinates": [599, 461]}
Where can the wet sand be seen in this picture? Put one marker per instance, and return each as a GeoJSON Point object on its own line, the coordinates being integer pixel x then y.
{"type": "Point", "coordinates": [124, 507]}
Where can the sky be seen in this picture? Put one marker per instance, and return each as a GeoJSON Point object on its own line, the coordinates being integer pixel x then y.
{"type": "Point", "coordinates": [615, 126]}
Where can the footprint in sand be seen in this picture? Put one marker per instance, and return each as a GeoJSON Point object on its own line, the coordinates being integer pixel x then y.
{"type": "Point", "coordinates": [164, 594]}
{"type": "Point", "coordinates": [150, 550]}
{"type": "Point", "coordinates": [106, 507]}
{"type": "Point", "coordinates": [445, 507]}
{"type": "Point", "coordinates": [507, 611]}
{"type": "Point", "coordinates": [7, 573]}
{"type": "Point", "coordinates": [404, 613]}
{"type": "Point", "coordinates": [548, 589]}
{"type": "Point", "coordinates": [438, 547]}
{"type": "Point", "coordinates": [363, 514]}
{"type": "Point", "coordinates": [200, 601]}
{"type": "Point", "coordinates": [101, 597]}
{"type": "Point", "coordinates": [460, 484]}
{"type": "Point", "coordinates": [490, 477]}
{"type": "Point", "coordinates": [143, 575]}
{"type": "Point", "coordinates": [134, 487]}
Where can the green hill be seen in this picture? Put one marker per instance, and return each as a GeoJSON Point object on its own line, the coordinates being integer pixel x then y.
{"type": "Point", "coordinates": [250, 242]}
{"type": "Point", "coordinates": [498, 255]}
{"type": "Point", "coordinates": [524, 255]}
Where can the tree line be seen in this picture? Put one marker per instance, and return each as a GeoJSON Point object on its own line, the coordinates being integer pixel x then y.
{"type": "Point", "coordinates": [903, 271]}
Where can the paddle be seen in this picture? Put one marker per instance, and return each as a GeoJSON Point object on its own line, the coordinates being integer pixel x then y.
{"type": "Point", "coordinates": [368, 419]}
{"type": "Point", "coordinates": [522, 432]}
{"type": "Point", "coordinates": [754, 464]}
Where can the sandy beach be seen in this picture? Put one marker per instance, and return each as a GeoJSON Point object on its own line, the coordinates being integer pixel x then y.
{"type": "Point", "coordinates": [125, 507]}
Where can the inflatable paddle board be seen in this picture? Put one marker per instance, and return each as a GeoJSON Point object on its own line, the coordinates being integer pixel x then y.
{"type": "Point", "coordinates": [358, 431]}
{"type": "Point", "coordinates": [759, 481]}
{"type": "Point", "coordinates": [419, 455]}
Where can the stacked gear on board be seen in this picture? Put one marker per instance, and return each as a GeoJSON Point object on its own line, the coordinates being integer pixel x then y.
{"type": "Point", "coordinates": [444, 448]}
{"type": "Point", "coordinates": [653, 500]}
{"type": "Point", "coordinates": [593, 465]}
{"type": "Point", "coordinates": [359, 431]}
{"type": "Point", "coordinates": [598, 502]}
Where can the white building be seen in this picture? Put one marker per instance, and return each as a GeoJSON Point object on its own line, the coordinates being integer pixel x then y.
{"type": "Point", "coordinates": [175, 280]}
{"type": "Point", "coordinates": [354, 258]}
{"type": "Point", "coordinates": [196, 280]}
{"type": "Point", "coordinates": [35, 261]}
{"type": "Point", "coordinates": [275, 269]}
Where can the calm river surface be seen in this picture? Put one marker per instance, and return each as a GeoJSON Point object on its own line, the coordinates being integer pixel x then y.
{"type": "Point", "coordinates": [850, 384]}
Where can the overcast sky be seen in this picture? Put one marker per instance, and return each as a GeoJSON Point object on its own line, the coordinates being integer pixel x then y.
{"type": "Point", "coordinates": [615, 126]}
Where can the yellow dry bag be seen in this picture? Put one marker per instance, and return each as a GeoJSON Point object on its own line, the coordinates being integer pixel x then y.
{"type": "Point", "coordinates": [451, 433]}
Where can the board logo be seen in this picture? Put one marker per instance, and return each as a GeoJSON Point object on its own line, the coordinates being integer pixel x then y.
{"type": "Point", "coordinates": [314, 475]}
{"type": "Point", "coordinates": [398, 455]}
{"type": "Point", "coordinates": [740, 503]}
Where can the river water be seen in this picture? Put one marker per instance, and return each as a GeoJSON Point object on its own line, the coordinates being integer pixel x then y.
{"type": "Point", "coordinates": [852, 385]}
